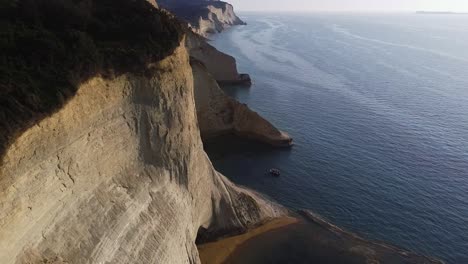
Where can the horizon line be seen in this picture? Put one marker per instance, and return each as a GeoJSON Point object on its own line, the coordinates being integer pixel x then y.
{"type": "Point", "coordinates": [352, 11]}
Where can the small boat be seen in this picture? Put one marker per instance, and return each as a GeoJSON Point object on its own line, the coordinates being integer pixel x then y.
{"type": "Point", "coordinates": [275, 172]}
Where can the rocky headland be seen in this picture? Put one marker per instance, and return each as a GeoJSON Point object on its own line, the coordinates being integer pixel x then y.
{"type": "Point", "coordinates": [221, 66]}
{"type": "Point", "coordinates": [220, 114]}
{"type": "Point", "coordinates": [205, 17]}
{"type": "Point", "coordinates": [103, 107]}
{"type": "Point", "coordinates": [107, 165]}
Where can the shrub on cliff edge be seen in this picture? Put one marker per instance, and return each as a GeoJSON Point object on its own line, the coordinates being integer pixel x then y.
{"type": "Point", "coordinates": [49, 47]}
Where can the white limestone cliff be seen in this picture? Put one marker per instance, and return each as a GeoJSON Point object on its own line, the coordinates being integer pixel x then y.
{"type": "Point", "coordinates": [205, 17]}
{"type": "Point", "coordinates": [221, 114]}
{"type": "Point", "coordinates": [119, 175]}
{"type": "Point", "coordinates": [219, 17]}
{"type": "Point", "coordinates": [221, 66]}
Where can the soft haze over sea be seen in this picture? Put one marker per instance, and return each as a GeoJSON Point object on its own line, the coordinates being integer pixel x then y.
{"type": "Point", "coordinates": [378, 108]}
{"type": "Point", "coordinates": [351, 5]}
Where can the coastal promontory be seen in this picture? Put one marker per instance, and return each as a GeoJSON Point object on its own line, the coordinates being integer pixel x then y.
{"type": "Point", "coordinates": [103, 108]}
{"type": "Point", "coordinates": [205, 17]}
{"type": "Point", "coordinates": [102, 158]}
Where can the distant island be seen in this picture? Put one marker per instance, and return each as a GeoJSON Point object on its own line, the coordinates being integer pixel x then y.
{"type": "Point", "coordinates": [439, 13]}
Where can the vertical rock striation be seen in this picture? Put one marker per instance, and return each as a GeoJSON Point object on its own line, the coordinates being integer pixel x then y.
{"type": "Point", "coordinates": [119, 175]}
{"type": "Point", "coordinates": [102, 160]}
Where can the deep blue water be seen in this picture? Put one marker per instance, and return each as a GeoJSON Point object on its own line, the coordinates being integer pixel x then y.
{"type": "Point", "coordinates": [378, 108]}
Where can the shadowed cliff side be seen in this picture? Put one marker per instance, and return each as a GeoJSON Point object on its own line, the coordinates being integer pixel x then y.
{"type": "Point", "coordinates": [104, 161]}
{"type": "Point", "coordinates": [220, 114]}
{"type": "Point", "coordinates": [107, 165]}
{"type": "Point", "coordinates": [221, 66]}
{"type": "Point", "coordinates": [119, 175]}
{"type": "Point", "coordinates": [50, 47]}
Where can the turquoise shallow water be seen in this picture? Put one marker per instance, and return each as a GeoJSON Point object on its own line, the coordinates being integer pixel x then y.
{"type": "Point", "coordinates": [378, 108]}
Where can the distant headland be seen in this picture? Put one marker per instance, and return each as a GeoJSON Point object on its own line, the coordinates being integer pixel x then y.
{"type": "Point", "coordinates": [440, 13]}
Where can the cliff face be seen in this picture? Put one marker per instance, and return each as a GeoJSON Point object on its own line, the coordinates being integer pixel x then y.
{"type": "Point", "coordinates": [107, 166]}
{"type": "Point", "coordinates": [119, 175]}
{"type": "Point", "coordinates": [204, 17]}
{"type": "Point", "coordinates": [49, 47]}
{"type": "Point", "coordinates": [219, 16]}
{"type": "Point", "coordinates": [102, 160]}
{"type": "Point", "coordinates": [219, 114]}
{"type": "Point", "coordinates": [221, 66]}
{"type": "Point", "coordinates": [153, 2]}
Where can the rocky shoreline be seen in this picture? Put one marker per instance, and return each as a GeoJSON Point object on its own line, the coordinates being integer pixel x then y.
{"type": "Point", "coordinates": [359, 250]}
{"type": "Point", "coordinates": [304, 238]}
{"type": "Point", "coordinates": [111, 168]}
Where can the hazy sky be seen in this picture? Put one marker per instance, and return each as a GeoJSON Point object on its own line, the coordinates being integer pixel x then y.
{"type": "Point", "coordinates": [351, 5]}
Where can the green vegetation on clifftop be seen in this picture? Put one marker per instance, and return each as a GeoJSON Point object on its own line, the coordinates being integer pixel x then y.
{"type": "Point", "coordinates": [49, 47]}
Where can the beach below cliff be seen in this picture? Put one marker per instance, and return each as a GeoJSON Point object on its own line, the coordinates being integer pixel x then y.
{"type": "Point", "coordinates": [222, 250]}
{"type": "Point", "coordinates": [305, 238]}
{"type": "Point", "coordinates": [379, 142]}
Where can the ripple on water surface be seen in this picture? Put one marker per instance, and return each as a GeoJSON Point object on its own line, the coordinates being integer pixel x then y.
{"type": "Point", "coordinates": [378, 110]}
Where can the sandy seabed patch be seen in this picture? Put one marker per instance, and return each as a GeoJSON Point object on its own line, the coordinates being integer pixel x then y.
{"type": "Point", "coordinates": [218, 252]}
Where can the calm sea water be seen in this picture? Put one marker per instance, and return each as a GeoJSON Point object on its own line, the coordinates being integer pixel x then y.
{"type": "Point", "coordinates": [378, 108]}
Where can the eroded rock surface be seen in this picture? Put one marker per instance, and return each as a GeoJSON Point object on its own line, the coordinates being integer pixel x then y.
{"type": "Point", "coordinates": [204, 17]}
{"type": "Point", "coordinates": [221, 66]}
{"type": "Point", "coordinates": [219, 113]}
{"type": "Point", "coordinates": [119, 175]}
